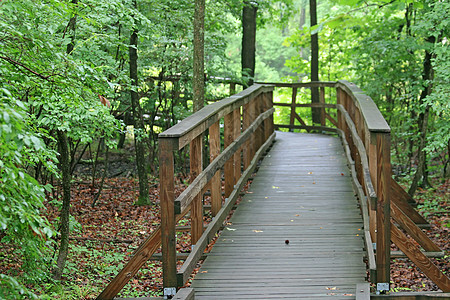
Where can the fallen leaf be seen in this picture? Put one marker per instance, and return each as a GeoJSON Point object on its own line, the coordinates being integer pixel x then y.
{"type": "Point", "coordinates": [204, 272]}
{"type": "Point", "coordinates": [332, 288]}
{"type": "Point", "coordinates": [310, 173]}
{"type": "Point", "coordinates": [275, 187]}
{"type": "Point", "coordinates": [257, 230]}
{"type": "Point", "coordinates": [230, 229]}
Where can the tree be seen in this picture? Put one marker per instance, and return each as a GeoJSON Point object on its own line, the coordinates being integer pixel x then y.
{"type": "Point", "coordinates": [198, 82]}
{"type": "Point", "coordinates": [139, 134]}
{"type": "Point", "coordinates": [314, 60]}
{"type": "Point", "coordinates": [63, 147]}
{"type": "Point", "coordinates": [248, 51]}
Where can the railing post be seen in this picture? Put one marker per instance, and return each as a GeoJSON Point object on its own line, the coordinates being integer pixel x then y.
{"type": "Point", "coordinates": [322, 110]}
{"type": "Point", "coordinates": [260, 131]}
{"type": "Point", "coordinates": [229, 165]}
{"type": "Point", "coordinates": [196, 159]}
{"type": "Point", "coordinates": [372, 153]}
{"type": "Point", "coordinates": [383, 207]}
{"type": "Point", "coordinates": [214, 151]}
{"type": "Point", "coordinates": [293, 102]}
{"type": "Point", "coordinates": [168, 238]}
{"type": "Point", "coordinates": [246, 121]}
{"type": "Point", "coordinates": [340, 100]}
{"type": "Point", "coordinates": [270, 101]}
{"type": "Point", "coordinates": [237, 155]}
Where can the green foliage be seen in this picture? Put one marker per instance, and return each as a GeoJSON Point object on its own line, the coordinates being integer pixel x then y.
{"type": "Point", "coordinates": [381, 47]}
{"type": "Point", "coordinates": [21, 197]}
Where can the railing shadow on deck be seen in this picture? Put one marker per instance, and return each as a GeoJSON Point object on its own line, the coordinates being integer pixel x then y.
{"type": "Point", "coordinates": [248, 131]}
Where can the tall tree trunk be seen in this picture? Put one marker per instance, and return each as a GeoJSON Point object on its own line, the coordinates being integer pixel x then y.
{"type": "Point", "coordinates": [314, 61]}
{"type": "Point", "coordinates": [198, 83]}
{"type": "Point", "coordinates": [248, 53]}
{"type": "Point", "coordinates": [138, 123]}
{"type": "Point", "coordinates": [423, 121]}
{"type": "Point", "coordinates": [64, 160]}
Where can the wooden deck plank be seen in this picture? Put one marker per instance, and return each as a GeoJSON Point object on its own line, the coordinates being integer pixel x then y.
{"type": "Point", "coordinates": [301, 193]}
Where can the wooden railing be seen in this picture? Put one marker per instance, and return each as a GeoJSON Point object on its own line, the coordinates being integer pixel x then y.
{"type": "Point", "coordinates": [385, 206]}
{"type": "Point", "coordinates": [248, 130]}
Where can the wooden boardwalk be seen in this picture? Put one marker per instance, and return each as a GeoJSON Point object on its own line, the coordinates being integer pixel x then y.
{"type": "Point", "coordinates": [302, 193]}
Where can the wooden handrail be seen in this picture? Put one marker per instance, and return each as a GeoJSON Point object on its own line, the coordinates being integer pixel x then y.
{"type": "Point", "coordinates": [372, 116]}
{"type": "Point", "coordinates": [184, 132]}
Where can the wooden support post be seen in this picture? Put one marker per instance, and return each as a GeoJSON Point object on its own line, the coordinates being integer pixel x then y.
{"type": "Point", "coordinates": [270, 102]}
{"type": "Point", "coordinates": [322, 110]}
{"type": "Point", "coordinates": [293, 113]}
{"type": "Point", "coordinates": [229, 165]}
{"type": "Point", "coordinates": [260, 130]}
{"type": "Point", "coordinates": [372, 153]}
{"type": "Point", "coordinates": [196, 168]}
{"type": "Point", "coordinates": [267, 122]}
{"type": "Point", "coordinates": [237, 155]}
{"type": "Point", "coordinates": [340, 116]}
{"type": "Point", "coordinates": [246, 116]}
{"type": "Point", "coordinates": [252, 140]}
{"type": "Point", "coordinates": [168, 238]}
{"type": "Point", "coordinates": [214, 151]}
{"type": "Point", "coordinates": [383, 207]}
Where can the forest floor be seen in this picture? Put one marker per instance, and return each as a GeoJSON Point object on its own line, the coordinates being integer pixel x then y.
{"type": "Point", "coordinates": [104, 237]}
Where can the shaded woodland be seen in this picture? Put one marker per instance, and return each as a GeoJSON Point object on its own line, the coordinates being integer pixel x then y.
{"type": "Point", "coordinates": [88, 85]}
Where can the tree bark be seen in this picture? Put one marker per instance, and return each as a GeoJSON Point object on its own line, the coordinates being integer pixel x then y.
{"type": "Point", "coordinates": [421, 173]}
{"type": "Point", "coordinates": [64, 160]}
{"type": "Point", "coordinates": [248, 53]}
{"type": "Point", "coordinates": [314, 60]}
{"type": "Point", "coordinates": [198, 83]}
{"type": "Point", "coordinates": [138, 123]}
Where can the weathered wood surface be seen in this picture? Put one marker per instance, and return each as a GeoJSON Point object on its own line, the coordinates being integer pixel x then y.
{"type": "Point", "coordinates": [302, 193]}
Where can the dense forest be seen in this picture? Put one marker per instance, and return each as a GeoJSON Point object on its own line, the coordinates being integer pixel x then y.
{"type": "Point", "coordinates": [87, 86]}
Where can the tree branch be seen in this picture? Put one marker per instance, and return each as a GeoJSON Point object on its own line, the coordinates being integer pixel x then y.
{"type": "Point", "coordinates": [16, 63]}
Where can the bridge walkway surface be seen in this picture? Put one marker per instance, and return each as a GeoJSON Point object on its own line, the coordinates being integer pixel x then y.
{"type": "Point", "coordinates": [297, 234]}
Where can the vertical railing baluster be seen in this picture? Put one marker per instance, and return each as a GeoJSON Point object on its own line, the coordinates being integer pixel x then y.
{"type": "Point", "coordinates": [322, 110]}
{"type": "Point", "coordinates": [196, 159]}
{"type": "Point", "coordinates": [168, 238]}
{"type": "Point", "coordinates": [293, 102]}
{"type": "Point", "coordinates": [383, 207]}
{"type": "Point", "coordinates": [229, 165]}
{"type": "Point", "coordinates": [246, 116]}
{"type": "Point", "coordinates": [236, 133]}
{"type": "Point", "coordinates": [214, 151]}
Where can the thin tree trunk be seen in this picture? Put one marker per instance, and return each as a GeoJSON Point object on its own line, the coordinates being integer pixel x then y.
{"type": "Point", "coordinates": [198, 82]}
{"type": "Point", "coordinates": [64, 161]}
{"type": "Point", "coordinates": [105, 171]}
{"type": "Point", "coordinates": [137, 120]}
{"type": "Point", "coordinates": [423, 121]}
{"type": "Point", "coordinates": [303, 53]}
{"type": "Point", "coordinates": [314, 61]}
{"type": "Point", "coordinates": [248, 53]}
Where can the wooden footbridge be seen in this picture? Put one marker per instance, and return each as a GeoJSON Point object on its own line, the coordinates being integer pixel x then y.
{"type": "Point", "coordinates": [318, 219]}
